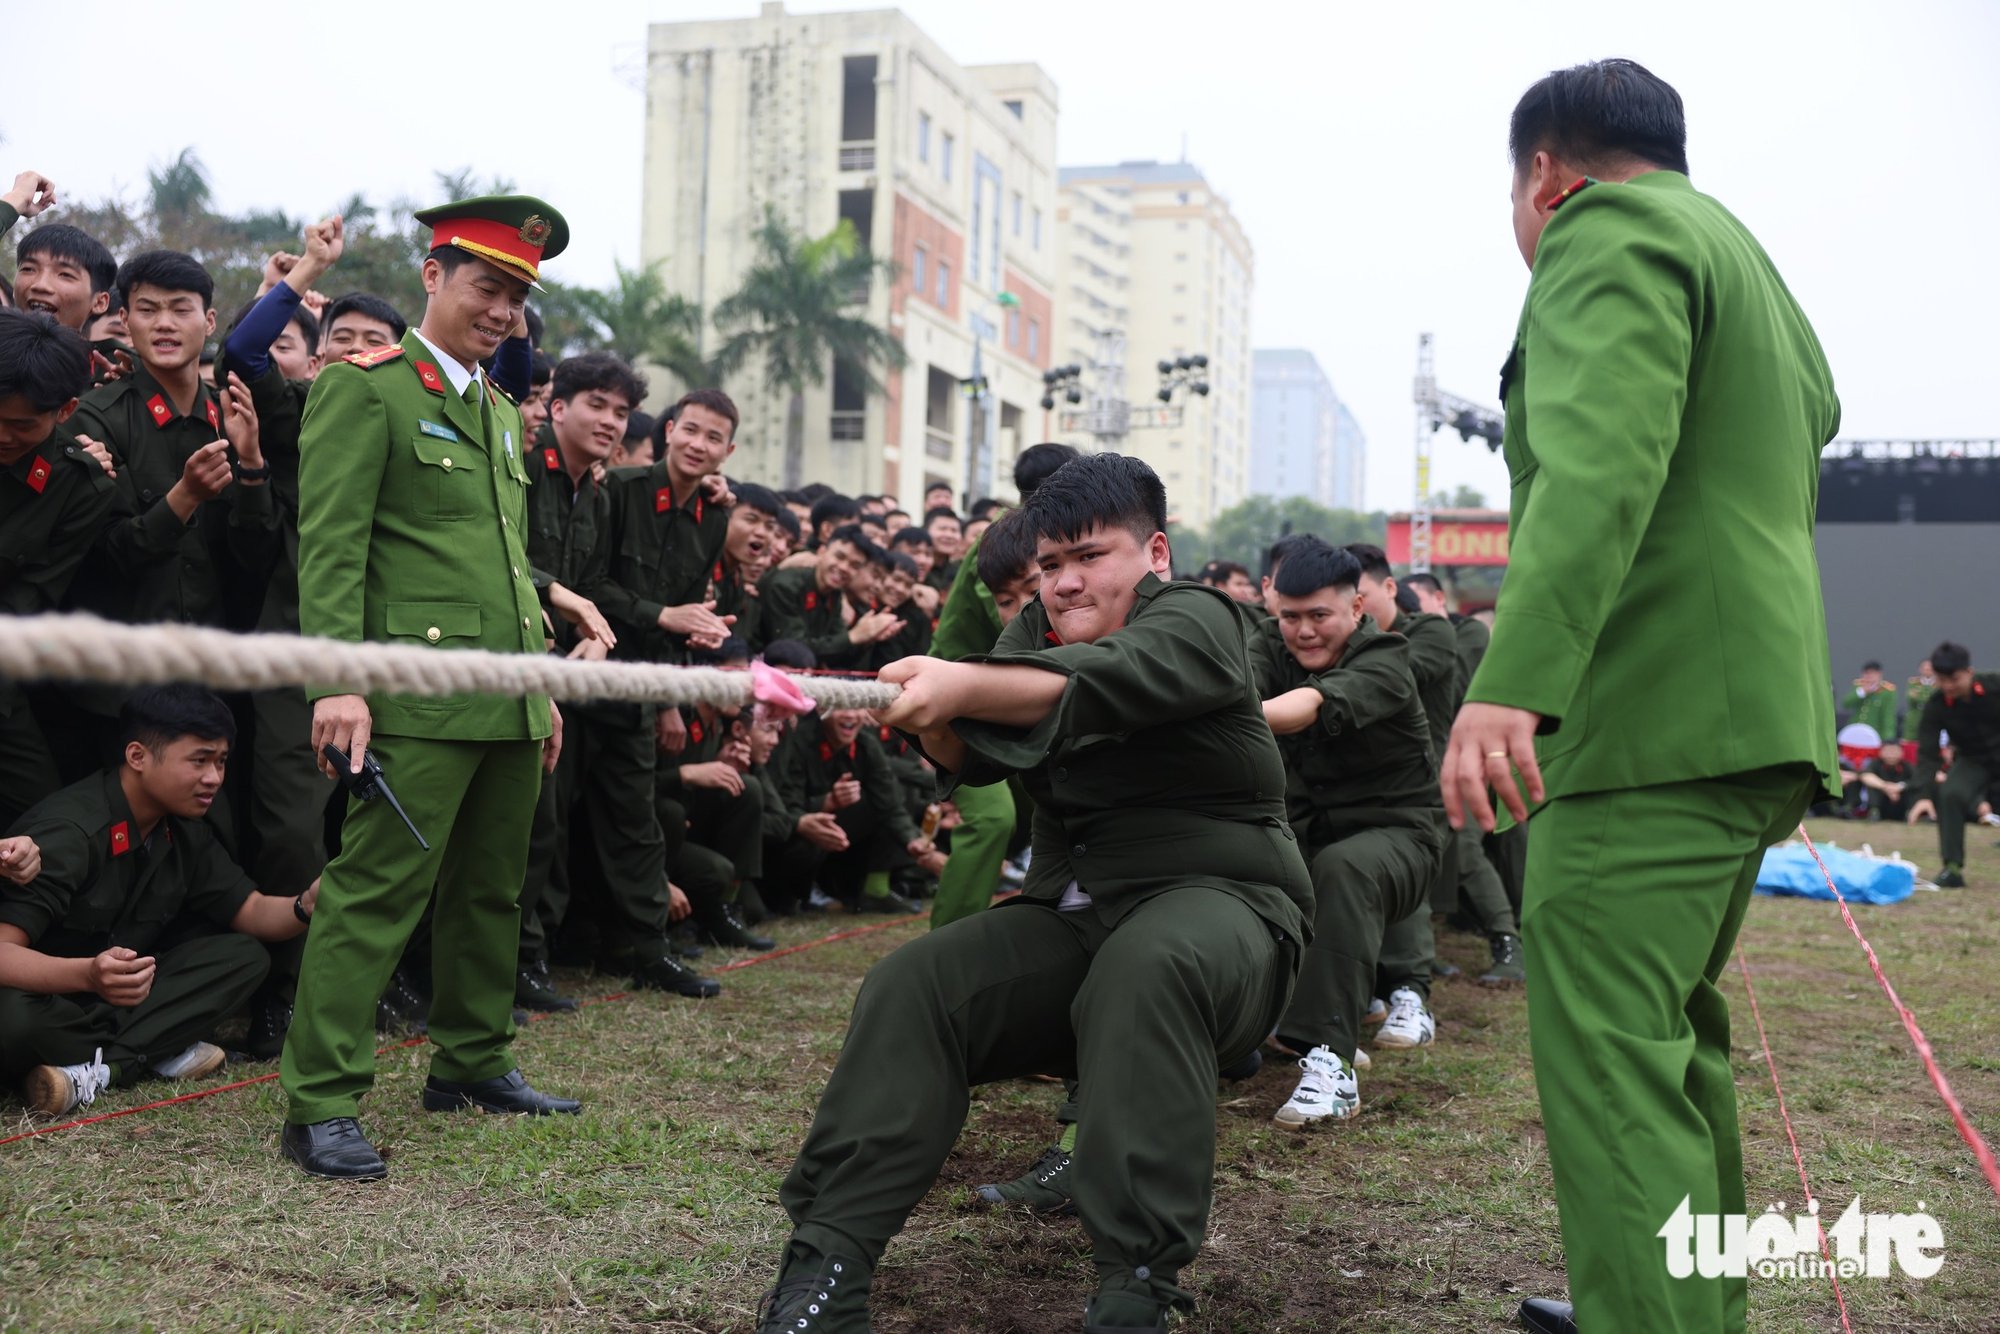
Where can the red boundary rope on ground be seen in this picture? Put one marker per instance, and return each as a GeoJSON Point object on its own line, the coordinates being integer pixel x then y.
{"type": "Point", "coordinates": [418, 1041]}
{"type": "Point", "coordinates": [1798, 1158]}
{"type": "Point", "coordinates": [1972, 1138]}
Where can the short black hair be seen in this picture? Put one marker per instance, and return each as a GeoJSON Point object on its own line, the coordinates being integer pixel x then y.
{"type": "Point", "coordinates": [852, 534]}
{"type": "Point", "coordinates": [114, 302]}
{"type": "Point", "coordinates": [1219, 572]}
{"type": "Point", "coordinates": [1006, 552]}
{"type": "Point", "coordinates": [44, 362]}
{"type": "Point", "coordinates": [910, 537]}
{"type": "Point", "coordinates": [790, 654]}
{"type": "Point", "coordinates": [1284, 548]}
{"type": "Point", "coordinates": [368, 306]}
{"type": "Point", "coordinates": [541, 370]}
{"type": "Point", "coordinates": [1313, 566]}
{"type": "Point", "coordinates": [760, 498]}
{"type": "Point", "coordinates": [638, 426]}
{"type": "Point", "coordinates": [308, 325]}
{"type": "Point", "coordinates": [714, 400]}
{"type": "Point", "coordinates": [1098, 490]}
{"type": "Point", "coordinates": [898, 563]}
{"type": "Point", "coordinates": [733, 649]}
{"type": "Point", "coordinates": [1948, 658]}
{"type": "Point", "coordinates": [1034, 464]}
{"type": "Point", "coordinates": [598, 370]}
{"type": "Point", "coordinates": [1423, 579]}
{"type": "Point", "coordinates": [795, 498]}
{"type": "Point", "coordinates": [1406, 599]}
{"type": "Point", "coordinates": [983, 508]}
{"type": "Point", "coordinates": [168, 270]}
{"type": "Point", "coordinates": [1374, 560]}
{"type": "Point", "coordinates": [1871, 666]}
{"type": "Point", "coordinates": [536, 327]}
{"type": "Point", "coordinates": [835, 509]}
{"type": "Point", "coordinates": [158, 716]}
{"type": "Point", "coordinates": [787, 521]}
{"type": "Point", "coordinates": [941, 512]}
{"type": "Point", "coordinates": [1601, 115]}
{"type": "Point", "coordinates": [59, 240]}
{"type": "Point", "coordinates": [812, 492]}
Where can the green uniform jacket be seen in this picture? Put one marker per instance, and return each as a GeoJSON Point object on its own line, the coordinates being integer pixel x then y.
{"type": "Point", "coordinates": [412, 530]}
{"type": "Point", "coordinates": [1877, 710]}
{"type": "Point", "coordinates": [796, 607]}
{"type": "Point", "coordinates": [99, 887]}
{"type": "Point", "coordinates": [969, 622]}
{"type": "Point", "coordinates": [1367, 763]}
{"type": "Point", "coordinates": [808, 765]}
{"type": "Point", "coordinates": [281, 406]}
{"type": "Point", "coordinates": [148, 565]}
{"type": "Point", "coordinates": [1156, 769]}
{"type": "Point", "coordinates": [1434, 663]}
{"type": "Point", "coordinates": [53, 502]}
{"type": "Point", "coordinates": [1472, 638]}
{"type": "Point", "coordinates": [567, 522]}
{"type": "Point", "coordinates": [1916, 694]}
{"type": "Point", "coordinates": [657, 554]}
{"type": "Point", "coordinates": [1666, 407]}
{"type": "Point", "coordinates": [1974, 725]}
{"type": "Point", "coordinates": [733, 597]}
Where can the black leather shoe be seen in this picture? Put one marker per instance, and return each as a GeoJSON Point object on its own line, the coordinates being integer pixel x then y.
{"type": "Point", "coordinates": [1439, 968]}
{"type": "Point", "coordinates": [891, 902]}
{"type": "Point", "coordinates": [1548, 1317]}
{"type": "Point", "coordinates": [1244, 1068]}
{"type": "Point", "coordinates": [683, 947]}
{"type": "Point", "coordinates": [403, 1006]}
{"type": "Point", "coordinates": [816, 1294]}
{"type": "Point", "coordinates": [505, 1093]}
{"type": "Point", "coordinates": [534, 991]}
{"type": "Point", "coordinates": [269, 1022]}
{"type": "Point", "coordinates": [723, 926]}
{"type": "Point", "coordinates": [336, 1149]}
{"type": "Point", "coordinates": [673, 975]}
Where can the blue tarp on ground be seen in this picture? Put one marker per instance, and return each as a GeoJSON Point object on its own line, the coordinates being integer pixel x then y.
{"type": "Point", "coordinates": [1790, 869]}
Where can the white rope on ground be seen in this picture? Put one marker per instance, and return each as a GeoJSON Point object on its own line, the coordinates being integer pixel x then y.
{"type": "Point", "coordinates": [85, 648]}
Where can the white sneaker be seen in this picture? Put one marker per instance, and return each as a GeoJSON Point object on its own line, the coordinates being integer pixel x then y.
{"type": "Point", "coordinates": [1410, 1023]}
{"type": "Point", "coordinates": [1377, 1011]}
{"type": "Point", "coordinates": [1326, 1090]}
{"type": "Point", "coordinates": [51, 1090]}
{"type": "Point", "coordinates": [203, 1058]}
{"type": "Point", "coordinates": [1361, 1061]}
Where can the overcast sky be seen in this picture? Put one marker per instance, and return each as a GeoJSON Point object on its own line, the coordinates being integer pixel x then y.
{"type": "Point", "coordinates": [1362, 145]}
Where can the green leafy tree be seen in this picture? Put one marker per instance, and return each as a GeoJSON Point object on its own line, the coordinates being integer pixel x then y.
{"type": "Point", "coordinates": [1246, 530]}
{"type": "Point", "coordinates": [637, 318]}
{"type": "Point", "coordinates": [792, 312]}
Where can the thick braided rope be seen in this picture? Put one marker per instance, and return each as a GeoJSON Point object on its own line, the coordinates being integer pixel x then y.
{"type": "Point", "coordinates": [84, 648]}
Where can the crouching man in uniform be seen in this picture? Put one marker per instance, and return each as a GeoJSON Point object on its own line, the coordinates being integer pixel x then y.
{"type": "Point", "coordinates": [1155, 942]}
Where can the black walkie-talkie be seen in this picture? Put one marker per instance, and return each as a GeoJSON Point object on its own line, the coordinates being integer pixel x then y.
{"type": "Point", "coordinates": [368, 784]}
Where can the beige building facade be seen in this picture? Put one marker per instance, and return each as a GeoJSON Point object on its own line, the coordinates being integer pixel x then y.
{"type": "Point", "coordinates": [1152, 252]}
{"type": "Point", "coordinates": [947, 170]}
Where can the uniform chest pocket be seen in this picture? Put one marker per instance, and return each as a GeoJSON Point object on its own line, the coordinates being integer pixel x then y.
{"type": "Point", "coordinates": [447, 479]}
{"type": "Point", "coordinates": [432, 622]}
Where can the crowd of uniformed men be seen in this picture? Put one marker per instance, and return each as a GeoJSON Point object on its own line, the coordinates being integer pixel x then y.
{"type": "Point", "coordinates": [151, 471]}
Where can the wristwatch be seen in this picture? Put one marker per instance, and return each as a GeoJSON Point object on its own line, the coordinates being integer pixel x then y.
{"type": "Point", "coordinates": [299, 903]}
{"type": "Point", "coordinates": [244, 474]}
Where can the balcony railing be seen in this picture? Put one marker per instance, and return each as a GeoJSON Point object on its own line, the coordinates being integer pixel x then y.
{"type": "Point", "coordinates": [847, 425]}
{"type": "Point", "coordinates": [937, 443]}
{"type": "Point", "coordinates": [858, 155]}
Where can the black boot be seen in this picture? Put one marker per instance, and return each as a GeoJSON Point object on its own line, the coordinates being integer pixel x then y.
{"type": "Point", "coordinates": [270, 1020]}
{"type": "Point", "coordinates": [1507, 967]}
{"type": "Point", "coordinates": [534, 990]}
{"type": "Point", "coordinates": [1543, 1316]}
{"type": "Point", "coordinates": [670, 974]}
{"type": "Point", "coordinates": [403, 1007]}
{"type": "Point", "coordinates": [750, 903]}
{"type": "Point", "coordinates": [816, 1294]}
{"type": "Point", "coordinates": [720, 925]}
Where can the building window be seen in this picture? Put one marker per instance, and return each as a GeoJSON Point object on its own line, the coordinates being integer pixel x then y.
{"type": "Point", "coordinates": [1013, 105]}
{"type": "Point", "coordinates": [1038, 228]}
{"type": "Point", "coordinates": [1017, 213]}
{"type": "Point", "coordinates": [917, 261]}
{"type": "Point", "coordinates": [923, 136]}
{"type": "Point", "coordinates": [943, 283]}
{"type": "Point", "coordinates": [1013, 327]}
{"type": "Point", "coordinates": [944, 156]}
{"type": "Point", "coordinates": [1034, 339]}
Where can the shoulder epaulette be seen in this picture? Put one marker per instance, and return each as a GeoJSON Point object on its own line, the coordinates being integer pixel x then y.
{"type": "Point", "coordinates": [374, 356]}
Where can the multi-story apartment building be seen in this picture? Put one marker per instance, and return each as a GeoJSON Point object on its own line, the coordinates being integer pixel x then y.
{"type": "Point", "coordinates": [947, 170]}
{"type": "Point", "coordinates": [1303, 440]}
{"type": "Point", "coordinates": [1151, 251]}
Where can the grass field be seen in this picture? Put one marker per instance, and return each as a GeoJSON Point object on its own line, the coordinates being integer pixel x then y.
{"type": "Point", "coordinates": [656, 1209]}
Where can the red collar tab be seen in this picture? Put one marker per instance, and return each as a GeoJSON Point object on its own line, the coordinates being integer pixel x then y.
{"type": "Point", "coordinates": [1053, 638]}
{"type": "Point", "coordinates": [663, 500]}
{"type": "Point", "coordinates": [121, 839]}
{"type": "Point", "coordinates": [551, 459]}
{"type": "Point", "coordinates": [433, 381]}
{"type": "Point", "coordinates": [812, 598]}
{"type": "Point", "coordinates": [1565, 196]}
{"type": "Point", "coordinates": [694, 731]}
{"type": "Point", "coordinates": [697, 509]}
{"type": "Point", "coordinates": [38, 475]}
{"type": "Point", "coordinates": [214, 417]}
{"type": "Point", "coordinates": [717, 574]}
{"type": "Point", "coordinates": [157, 405]}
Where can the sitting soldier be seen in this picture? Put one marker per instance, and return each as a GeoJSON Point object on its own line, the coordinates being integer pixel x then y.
{"type": "Point", "coordinates": [138, 935]}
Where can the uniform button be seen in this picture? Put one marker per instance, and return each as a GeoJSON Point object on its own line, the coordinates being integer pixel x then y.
{"type": "Point", "coordinates": [517, 571]}
{"type": "Point", "coordinates": [433, 634]}
{"type": "Point", "coordinates": [1062, 775]}
{"type": "Point", "coordinates": [524, 622]}
{"type": "Point", "coordinates": [447, 465]}
{"type": "Point", "coordinates": [1077, 851]}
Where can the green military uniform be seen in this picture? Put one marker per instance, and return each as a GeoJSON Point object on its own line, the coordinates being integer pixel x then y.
{"type": "Point", "coordinates": [101, 886]}
{"type": "Point", "coordinates": [1876, 708]}
{"type": "Point", "coordinates": [796, 607]}
{"type": "Point", "coordinates": [1916, 693]}
{"type": "Point", "coordinates": [1667, 402]}
{"type": "Point", "coordinates": [714, 838]}
{"type": "Point", "coordinates": [659, 552]}
{"type": "Point", "coordinates": [412, 530]}
{"type": "Point", "coordinates": [1478, 879]}
{"type": "Point", "coordinates": [736, 597]}
{"type": "Point", "coordinates": [988, 816]}
{"type": "Point", "coordinates": [1409, 946]}
{"type": "Point", "coordinates": [878, 826]}
{"type": "Point", "coordinates": [1973, 722]}
{"type": "Point", "coordinates": [1159, 817]}
{"type": "Point", "coordinates": [1361, 786]}
{"type": "Point", "coordinates": [53, 501]}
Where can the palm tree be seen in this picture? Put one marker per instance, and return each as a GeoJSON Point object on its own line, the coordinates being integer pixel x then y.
{"type": "Point", "coordinates": [639, 320]}
{"type": "Point", "coordinates": [792, 310]}
{"type": "Point", "coordinates": [180, 189]}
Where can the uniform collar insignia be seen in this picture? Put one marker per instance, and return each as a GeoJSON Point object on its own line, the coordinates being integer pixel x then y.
{"type": "Point", "coordinates": [694, 731]}
{"type": "Point", "coordinates": [663, 500]}
{"type": "Point", "coordinates": [428, 373]}
{"type": "Point", "coordinates": [157, 405]}
{"type": "Point", "coordinates": [38, 475]}
{"type": "Point", "coordinates": [551, 459]}
{"type": "Point", "coordinates": [1565, 196]}
{"type": "Point", "coordinates": [121, 839]}
{"type": "Point", "coordinates": [812, 599]}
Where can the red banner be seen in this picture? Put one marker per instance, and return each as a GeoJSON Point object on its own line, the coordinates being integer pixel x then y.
{"type": "Point", "coordinates": [1454, 541]}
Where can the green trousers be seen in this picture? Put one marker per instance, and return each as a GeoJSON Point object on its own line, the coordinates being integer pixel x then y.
{"type": "Point", "coordinates": [1362, 884]}
{"type": "Point", "coordinates": [1479, 885]}
{"type": "Point", "coordinates": [1144, 1014]}
{"type": "Point", "coordinates": [199, 983]}
{"type": "Point", "coordinates": [978, 847]}
{"type": "Point", "coordinates": [474, 802]}
{"type": "Point", "coordinates": [1409, 947]}
{"type": "Point", "coordinates": [618, 871]}
{"type": "Point", "coordinates": [27, 766]}
{"type": "Point", "coordinates": [1965, 785]}
{"type": "Point", "coordinates": [1634, 900]}
{"type": "Point", "coordinates": [1508, 853]}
